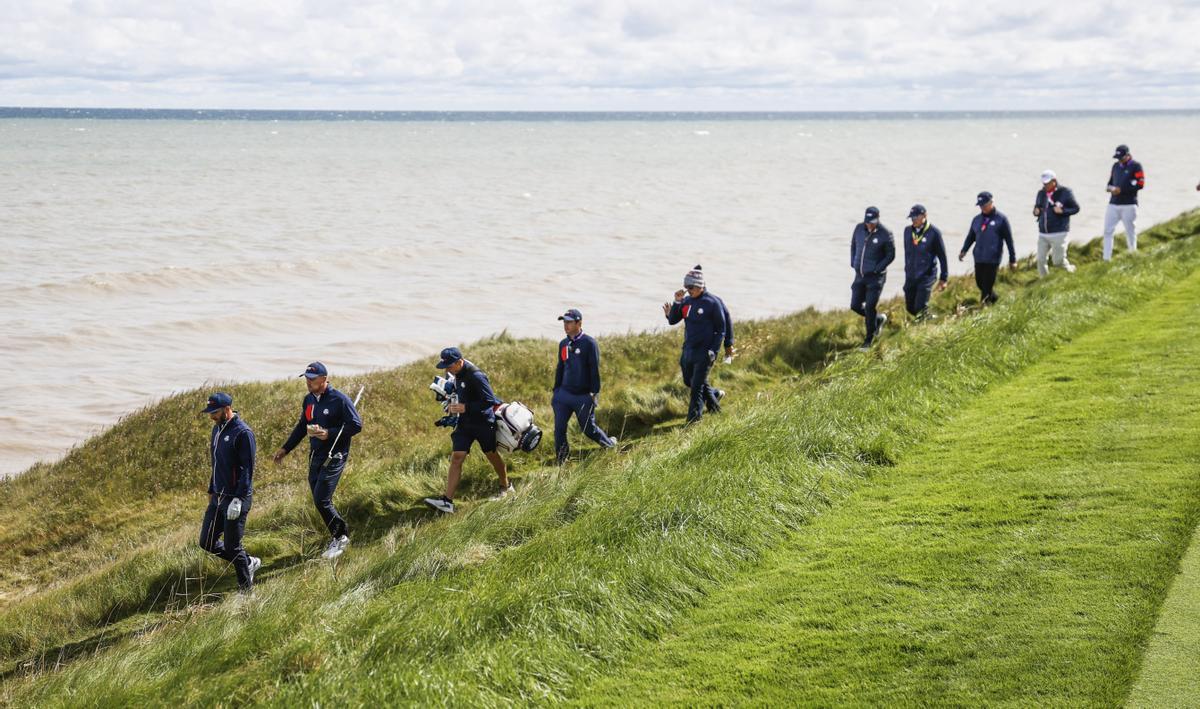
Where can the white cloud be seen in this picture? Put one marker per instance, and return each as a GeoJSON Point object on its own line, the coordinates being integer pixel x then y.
{"type": "Point", "coordinates": [609, 54]}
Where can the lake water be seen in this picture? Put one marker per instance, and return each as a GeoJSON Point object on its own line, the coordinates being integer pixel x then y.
{"type": "Point", "coordinates": [157, 253]}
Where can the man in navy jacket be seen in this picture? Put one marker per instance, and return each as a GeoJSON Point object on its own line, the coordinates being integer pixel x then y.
{"type": "Point", "coordinates": [324, 413]}
{"type": "Point", "coordinates": [1053, 206]}
{"type": "Point", "coordinates": [872, 250]}
{"type": "Point", "coordinates": [703, 333]}
{"type": "Point", "coordinates": [576, 385]}
{"type": "Point", "coordinates": [474, 402]}
{"type": "Point", "coordinates": [924, 255]}
{"type": "Point", "coordinates": [990, 232]}
{"type": "Point", "coordinates": [231, 452]}
{"type": "Point", "coordinates": [1125, 180]}
{"type": "Point", "coordinates": [713, 395]}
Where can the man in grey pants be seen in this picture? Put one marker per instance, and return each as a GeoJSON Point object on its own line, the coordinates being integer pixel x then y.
{"type": "Point", "coordinates": [1053, 207]}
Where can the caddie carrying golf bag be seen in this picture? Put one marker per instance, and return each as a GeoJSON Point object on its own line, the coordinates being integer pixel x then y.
{"type": "Point", "coordinates": [515, 429]}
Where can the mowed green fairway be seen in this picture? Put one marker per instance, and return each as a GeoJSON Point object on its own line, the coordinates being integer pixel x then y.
{"type": "Point", "coordinates": [1016, 556]}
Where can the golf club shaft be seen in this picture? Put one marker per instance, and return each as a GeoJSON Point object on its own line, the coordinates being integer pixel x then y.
{"type": "Point", "coordinates": [339, 433]}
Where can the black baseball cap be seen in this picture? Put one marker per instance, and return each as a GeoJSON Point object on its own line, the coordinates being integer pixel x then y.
{"type": "Point", "coordinates": [450, 355]}
{"type": "Point", "coordinates": [983, 198]}
{"type": "Point", "coordinates": [871, 216]}
{"type": "Point", "coordinates": [916, 209]}
{"type": "Point", "coordinates": [1121, 151]}
{"type": "Point", "coordinates": [217, 401]}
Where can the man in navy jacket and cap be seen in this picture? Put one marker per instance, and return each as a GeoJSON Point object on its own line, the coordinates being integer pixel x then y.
{"type": "Point", "coordinates": [924, 261]}
{"type": "Point", "coordinates": [990, 232]}
{"type": "Point", "coordinates": [1053, 206]}
{"type": "Point", "coordinates": [474, 403]}
{"type": "Point", "coordinates": [1125, 180]}
{"type": "Point", "coordinates": [230, 488]}
{"type": "Point", "coordinates": [576, 385]}
{"type": "Point", "coordinates": [329, 419]}
{"type": "Point", "coordinates": [703, 334]}
{"type": "Point", "coordinates": [872, 250]}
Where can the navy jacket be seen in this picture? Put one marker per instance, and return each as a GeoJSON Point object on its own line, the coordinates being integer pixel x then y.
{"type": "Point", "coordinates": [923, 258]}
{"type": "Point", "coordinates": [1050, 222]}
{"type": "Point", "coordinates": [990, 233]}
{"type": "Point", "coordinates": [578, 365]}
{"type": "Point", "coordinates": [330, 411]}
{"type": "Point", "coordinates": [1130, 178]}
{"type": "Point", "coordinates": [728, 322]}
{"type": "Point", "coordinates": [231, 452]}
{"type": "Point", "coordinates": [871, 254]}
{"type": "Point", "coordinates": [474, 390]}
{"type": "Point", "coordinates": [703, 322]}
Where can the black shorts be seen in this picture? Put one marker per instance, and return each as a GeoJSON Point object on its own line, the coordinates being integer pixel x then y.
{"type": "Point", "coordinates": [468, 433]}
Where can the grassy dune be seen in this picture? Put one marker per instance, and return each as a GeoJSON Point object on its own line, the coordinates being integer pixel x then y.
{"type": "Point", "coordinates": [107, 600]}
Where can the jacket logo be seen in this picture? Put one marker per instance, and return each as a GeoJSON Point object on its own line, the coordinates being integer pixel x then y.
{"type": "Point", "coordinates": [576, 350]}
{"type": "Point", "coordinates": [875, 240]}
{"type": "Point", "coordinates": [326, 412]}
{"type": "Point", "coordinates": [227, 438]}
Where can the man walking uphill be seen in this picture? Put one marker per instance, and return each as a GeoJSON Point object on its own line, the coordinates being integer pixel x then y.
{"type": "Point", "coordinates": [1125, 180]}
{"type": "Point", "coordinates": [230, 486]}
{"type": "Point", "coordinates": [990, 232]}
{"type": "Point", "coordinates": [329, 419]}
{"type": "Point", "coordinates": [924, 254]}
{"type": "Point", "coordinates": [872, 250]}
{"type": "Point", "coordinates": [1053, 207]}
{"type": "Point", "coordinates": [474, 403]}
{"type": "Point", "coordinates": [703, 334]}
{"type": "Point", "coordinates": [576, 385]}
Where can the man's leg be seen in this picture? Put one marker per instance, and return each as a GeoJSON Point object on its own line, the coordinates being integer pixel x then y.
{"type": "Point", "coordinates": [211, 529]}
{"type": "Point", "coordinates": [921, 292]}
{"type": "Point", "coordinates": [234, 529]}
{"type": "Point", "coordinates": [874, 288]}
{"type": "Point", "coordinates": [487, 444]}
{"type": "Point", "coordinates": [858, 294]}
{"type": "Point", "coordinates": [910, 300]}
{"type": "Point", "coordinates": [699, 365]}
{"type": "Point", "coordinates": [1128, 216]}
{"type": "Point", "coordinates": [455, 474]}
{"type": "Point", "coordinates": [562, 415]}
{"type": "Point", "coordinates": [1111, 216]}
{"type": "Point", "coordinates": [1043, 248]}
{"type": "Point", "coordinates": [585, 413]}
{"type": "Point", "coordinates": [324, 482]}
{"type": "Point", "coordinates": [985, 278]}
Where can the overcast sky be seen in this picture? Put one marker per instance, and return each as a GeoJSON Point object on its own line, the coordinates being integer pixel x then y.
{"type": "Point", "coordinates": [601, 54]}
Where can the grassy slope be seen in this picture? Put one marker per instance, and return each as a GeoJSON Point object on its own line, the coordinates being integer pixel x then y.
{"type": "Point", "coordinates": [1170, 674]}
{"type": "Point", "coordinates": [1018, 555]}
{"type": "Point", "coordinates": [508, 601]}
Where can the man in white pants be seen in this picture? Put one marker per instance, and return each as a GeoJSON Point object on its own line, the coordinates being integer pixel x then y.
{"type": "Point", "coordinates": [1124, 182]}
{"type": "Point", "coordinates": [1053, 207]}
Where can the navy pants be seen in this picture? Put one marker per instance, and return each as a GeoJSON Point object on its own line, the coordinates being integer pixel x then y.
{"type": "Point", "coordinates": [917, 294]}
{"type": "Point", "coordinates": [864, 300]}
{"type": "Point", "coordinates": [695, 365]}
{"type": "Point", "coordinates": [323, 480]}
{"type": "Point", "coordinates": [985, 278]}
{"type": "Point", "coordinates": [583, 408]}
{"type": "Point", "coordinates": [215, 526]}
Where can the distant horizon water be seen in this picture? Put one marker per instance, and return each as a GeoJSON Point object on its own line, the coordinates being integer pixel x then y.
{"type": "Point", "coordinates": [151, 252]}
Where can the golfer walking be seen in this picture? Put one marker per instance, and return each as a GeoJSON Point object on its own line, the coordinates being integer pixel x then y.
{"type": "Point", "coordinates": [872, 250]}
{"type": "Point", "coordinates": [1125, 180]}
{"type": "Point", "coordinates": [924, 255]}
{"type": "Point", "coordinates": [230, 488]}
{"type": "Point", "coordinates": [990, 232]}
{"type": "Point", "coordinates": [1053, 206]}
{"type": "Point", "coordinates": [329, 419]}
{"type": "Point", "coordinates": [703, 334]}
{"type": "Point", "coordinates": [576, 385]}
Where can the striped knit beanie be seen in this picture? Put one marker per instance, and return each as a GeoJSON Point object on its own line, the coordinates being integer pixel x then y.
{"type": "Point", "coordinates": [694, 277]}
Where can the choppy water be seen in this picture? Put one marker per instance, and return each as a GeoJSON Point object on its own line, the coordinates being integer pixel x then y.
{"type": "Point", "coordinates": [146, 256]}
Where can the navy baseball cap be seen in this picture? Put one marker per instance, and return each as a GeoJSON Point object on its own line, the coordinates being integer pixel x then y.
{"type": "Point", "coordinates": [217, 401]}
{"type": "Point", "coordinates": [916, 209]}
{"type": "Point", "coordinates": [983, 198]}
{"type": "Point", "coordinates": [871, 216]}
{"type": "Point", "coordinates": [314, 370]}
{"type": "Point", "coordinates": [1122, 151]}
{"type": "Point", "coordinates": [571, 315]}
{"type": "Point", "coordinates": [450, 355]}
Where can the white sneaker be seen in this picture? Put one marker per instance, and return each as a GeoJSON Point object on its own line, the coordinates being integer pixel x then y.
{"type": "Point", "coordinates": [1070, 267]}
{"type": "Point", "coordinates": [336, 547]}
{"type": "Point", "coordinates": [441, 504]}
{"type": "Point", "coordinates": [504, 492]}
{"type": "Point", "coordinates": [880, 320]}
{"type": "Point", "coordinates": [255, 564]}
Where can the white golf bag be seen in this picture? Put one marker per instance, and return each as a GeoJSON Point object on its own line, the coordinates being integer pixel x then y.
{"type": "Point", "coordinates": [515, 429]}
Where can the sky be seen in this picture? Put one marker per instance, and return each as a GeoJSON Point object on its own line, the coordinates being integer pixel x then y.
{"type": "Point", "coordinates": [665, 55]}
